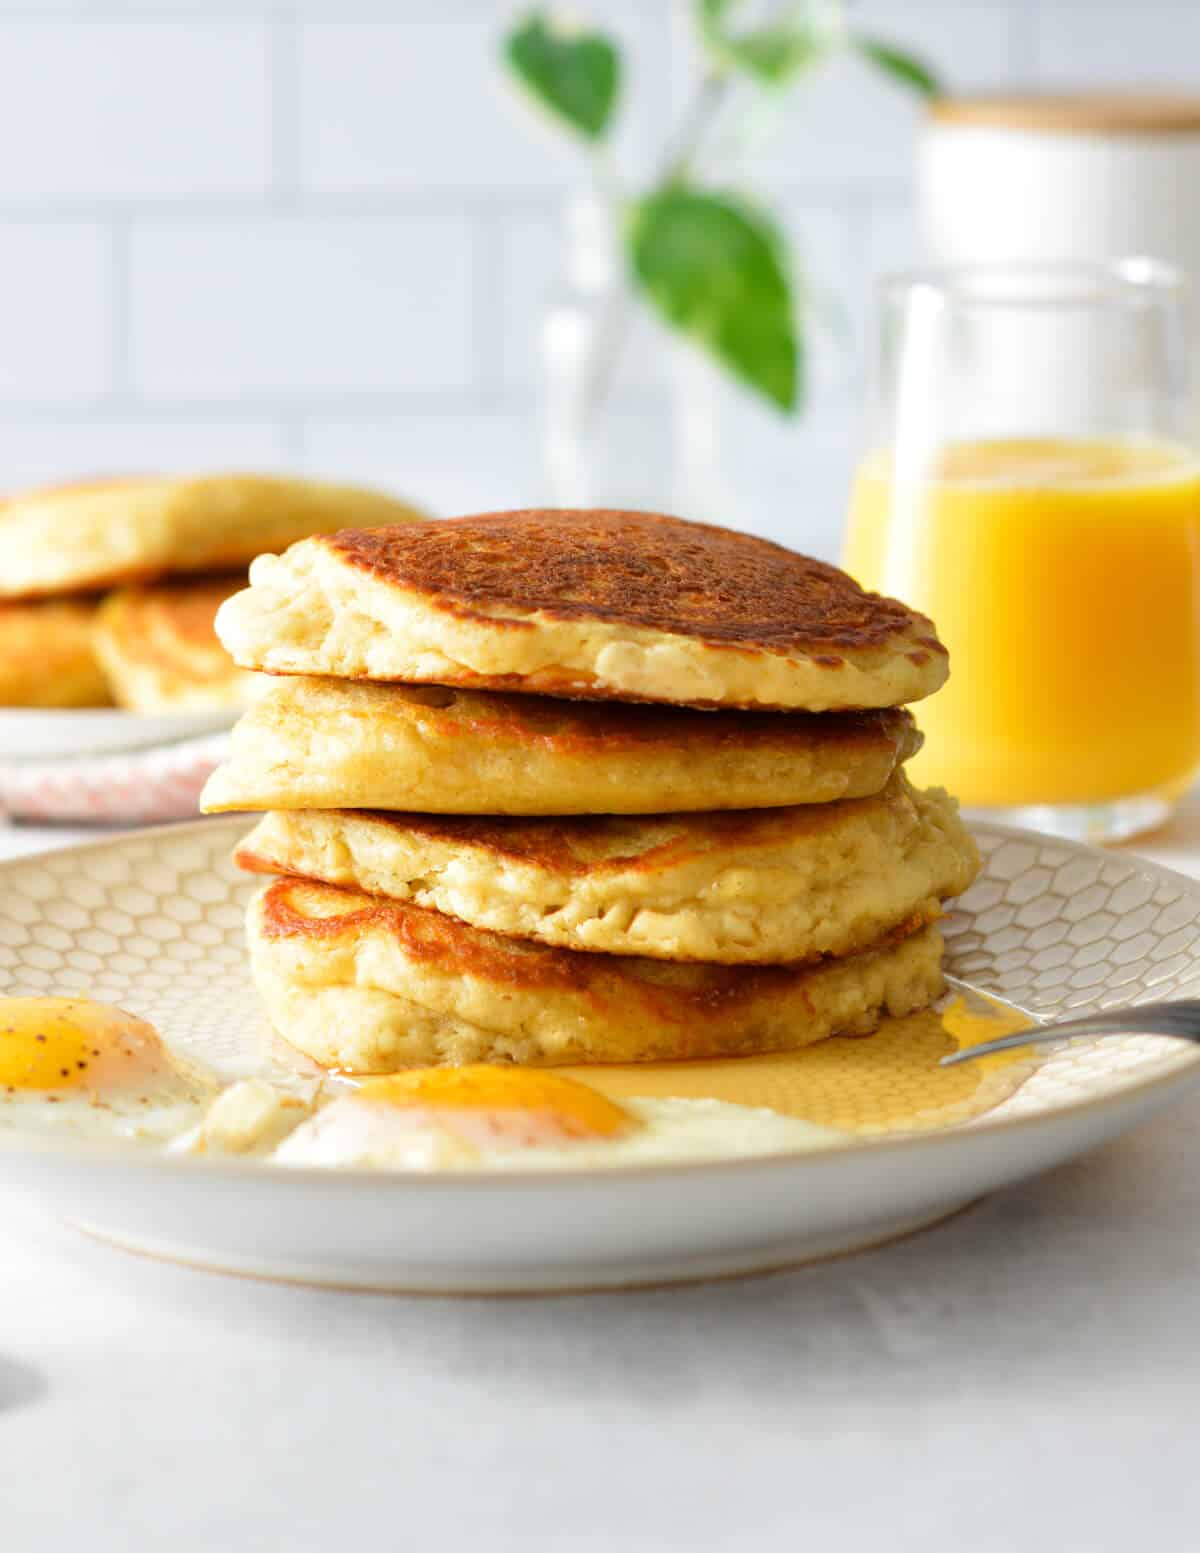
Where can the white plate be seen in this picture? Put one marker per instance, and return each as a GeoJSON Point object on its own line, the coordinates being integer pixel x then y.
{"type": "Point", "coordinates": [37, 734]}
{"type": "Point", "coordinates": [154, 921]}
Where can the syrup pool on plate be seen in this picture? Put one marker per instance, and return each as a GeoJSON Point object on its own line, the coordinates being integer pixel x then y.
{"type": "Point", "coordinates": [868, 1086]}
{"type": "Point", "coordinates": [512, 1118]}
{"type": "Point", "coordinates": [1064, 577]}
{"type": "Point", "coordinates": [888, 1082]}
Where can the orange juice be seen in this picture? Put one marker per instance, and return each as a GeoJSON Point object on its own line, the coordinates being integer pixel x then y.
{"type": "Point", "coordinates": [1064, 577]}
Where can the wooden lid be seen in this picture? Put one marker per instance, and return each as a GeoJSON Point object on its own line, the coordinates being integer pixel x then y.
{"type": "Point", "coordinates": [1075, 113]}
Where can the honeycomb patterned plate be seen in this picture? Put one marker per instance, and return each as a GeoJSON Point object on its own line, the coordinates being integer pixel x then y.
{"type": "Point", "coordinates": [153, 921]}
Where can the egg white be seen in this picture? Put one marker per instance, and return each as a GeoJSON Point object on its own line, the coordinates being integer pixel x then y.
{"type": "Point", "coordinates": [151, 1112]}
{"type": "Point", "coordinates": [348, 1134]}
{"type": "Point", "coordinates": [70, 1065]}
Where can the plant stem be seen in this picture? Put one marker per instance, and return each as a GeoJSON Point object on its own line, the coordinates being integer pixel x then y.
{"type": "Point", "coordinates": [701, 112]}
{"type": "Point", "coordinates": [607, 345]}
{"type": "Point", "coordinates": [610, 336]}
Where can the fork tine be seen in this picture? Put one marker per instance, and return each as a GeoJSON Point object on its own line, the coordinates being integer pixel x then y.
{"type": "Point", "coordinates": [1180, 1019]}
{"type": "Point", "coordinates": [1034, 1036]}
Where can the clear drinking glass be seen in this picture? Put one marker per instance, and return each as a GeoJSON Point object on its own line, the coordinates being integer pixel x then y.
{"type": "Point", "coordinates": [1031, 482]}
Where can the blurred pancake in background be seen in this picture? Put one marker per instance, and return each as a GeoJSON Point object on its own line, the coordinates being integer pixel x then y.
{"type": "Point", "coordinates": [47, 657]}
{"type": "Point", "coordinates": [100, 533]}
{"type": "Point", "coordinates": [154, 650]}
{"type": "Point", "coordinates": [160, 652]}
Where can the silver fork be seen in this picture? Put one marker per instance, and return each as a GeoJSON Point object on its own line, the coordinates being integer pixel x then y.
{"type": "Point", "coordinates": [1180, 1018]}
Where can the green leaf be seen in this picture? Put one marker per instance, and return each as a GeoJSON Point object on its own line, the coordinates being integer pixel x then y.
{"type": "Point", "coordinates": [713, 268]}
{"type": "Point", "coordinates": [775, 52]}
{"type": "Point", "coordinates": [572, 73]}
{"type": "Point", "coordinates": [902, 67]}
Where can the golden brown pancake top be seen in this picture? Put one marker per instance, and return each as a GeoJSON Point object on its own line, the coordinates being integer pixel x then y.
{"type": "Point", "coordinates": [638, 569]}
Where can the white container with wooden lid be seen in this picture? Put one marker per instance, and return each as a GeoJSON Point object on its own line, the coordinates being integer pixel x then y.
{"type": "Point", "coordinates": [1064, 176]}
{"type": "Point", "coordinates": [1089, 176]}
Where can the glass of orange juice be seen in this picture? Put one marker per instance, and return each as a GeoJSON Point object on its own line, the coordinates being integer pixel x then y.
{"type": "Point", "coordinates": [1031, 482]}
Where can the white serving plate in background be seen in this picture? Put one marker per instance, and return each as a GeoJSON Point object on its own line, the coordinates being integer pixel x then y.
{"type": "Point", "coordinates": [28, 733]}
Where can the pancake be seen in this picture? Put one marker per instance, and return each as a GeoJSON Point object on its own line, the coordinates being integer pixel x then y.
{"type": "Point", "coordinates": [330, 744]}
{"type": "Point", "coordinates": [46, 656]}
{"type": "Point", "coordinates": [370, 985]}
{"type": "Point", "coordinates": [595, 605]}
{"type": "Point", "coordinates": [98, 533]}
{"type": "Point", "coordinates": [160, 652]}
{"type": "Point", "coordinates": [746, 887]}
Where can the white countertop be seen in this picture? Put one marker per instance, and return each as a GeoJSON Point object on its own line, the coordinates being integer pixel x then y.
{"type": "Point", "coordinates": [1024, 1377]}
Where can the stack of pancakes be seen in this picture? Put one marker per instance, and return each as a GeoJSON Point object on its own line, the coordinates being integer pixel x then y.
{"type": "Point", "coordinates": [554, 787]}
{"type": "Point", "coordinates": [109, 588]}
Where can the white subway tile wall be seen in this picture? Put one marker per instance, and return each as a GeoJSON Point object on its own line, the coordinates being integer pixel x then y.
{"type": "Point", "coordinates": [132, 110]}
{"type": "Point", "coordinates": [293, 308]}
{"type": "Point", "coordinates": [320, 234]}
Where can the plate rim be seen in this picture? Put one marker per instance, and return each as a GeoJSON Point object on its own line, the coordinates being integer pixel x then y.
{"type": "Point", "coordinates": [236, 1169]}
{"type": "Point", "coordinates": [131, 732]}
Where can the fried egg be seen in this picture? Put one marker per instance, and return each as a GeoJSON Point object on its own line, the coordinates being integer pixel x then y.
{"type": "Point", "coordinates": [94, 1070]}
{"type": "Point", "coordinates": [97, 1071]}
{"type": "Point", "coordinates": [491, 1118]}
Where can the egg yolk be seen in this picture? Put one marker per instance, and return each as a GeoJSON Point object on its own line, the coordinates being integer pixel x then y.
{"type": "Point", "coordinates": [524, 1106]}
{"type": "Point", "coordinates": [72, 1043]}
